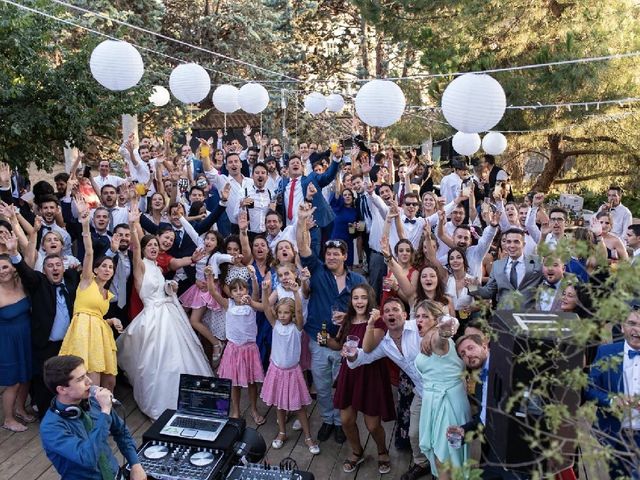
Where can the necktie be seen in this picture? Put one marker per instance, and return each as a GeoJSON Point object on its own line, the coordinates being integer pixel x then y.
{"type": "Point", "coordinates": [513, 275]}
{"type": "Point", "coordinates": [65, 293]}
{"type": "Point", "coordinates": [292, 190]}
{"type": "Point", "coordinates": [484, 373]}
{"type": "Point", "coordinates": [103, 462]}
{"type": "Point", "coordinates": [401, 194]}
{"type": "Point", "coordinates": [364, 207]}
{"type": "Point", "coordinates": [111, 225]}
{"type": "Point", "coordinates": [178, 238]}
{"type": "Point", "coordinates": [411, 221]}
{"type": "Point", "coordinates": [121, 280]}
{"type": "Point", "coordinates": [633, 353]}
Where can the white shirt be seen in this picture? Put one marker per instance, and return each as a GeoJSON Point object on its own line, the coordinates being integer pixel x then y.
{"type": "Point", "coordinates": [379, 211]}
{"type": "Point", "coordinates": [273, 183]}
{"type": "Point", "coordinates": [289, 233]}
{"type": "Point", "coordinates": [285, 345]}
{"type": "Point", "coordinates": [412, 231]}
{"type": "Point", "coordinates": [520, 268]}
{"type": "Point", "coordinates": [450, 186]}
{"type": "Point", "coordinates": [66, 238]}
{"type": "Point", "coordinates": [443, 248]}
{"type": "Point", "coordinates": [547, 296]}
{"type": "Point", "coordinates": [405, 359]}
{"type": "Point", "coordinates": [476, 253]}
{"type": "Point", "coordinates": [635, 257]}
{"type": "Point", "coordinates": [235, 195]}
{"type": "Point", "coordinates": [258, 212]}
{"type": "Point", "coordinates": [112, 180]}
{"type": "Point", "coordinates": [621, 218]}
{"type": "Point", "coordinates": [298, 198]}
{"type": "Point", "coordinates": [240, 324]}
{"type": "Point", "coordinates": [631, 376]}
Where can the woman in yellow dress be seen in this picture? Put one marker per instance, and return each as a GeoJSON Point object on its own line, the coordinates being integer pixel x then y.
{"type": "Point", "coordinates": [89, 335]}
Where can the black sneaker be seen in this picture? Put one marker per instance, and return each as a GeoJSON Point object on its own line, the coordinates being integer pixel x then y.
{"type": "Point", "coordinates": [325, 432]}
{"type": "Point", "coordinates": [415, 472]}
{"type": "Point", "coordinates": [338, 434]}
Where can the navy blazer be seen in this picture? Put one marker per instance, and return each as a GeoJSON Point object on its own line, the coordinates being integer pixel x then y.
{"type": "Point", "coordinates": [324, 214]}
{"type": "Point", "coordinates": [605, 381]}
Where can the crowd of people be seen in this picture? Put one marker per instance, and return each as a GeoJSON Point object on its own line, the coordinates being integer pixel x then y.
{"type": "Point", "coordinates": [292, 274]}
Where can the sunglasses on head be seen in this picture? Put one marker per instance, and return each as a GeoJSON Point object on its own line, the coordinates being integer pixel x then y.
{"type": "Point", "coordinates": [334, 244]}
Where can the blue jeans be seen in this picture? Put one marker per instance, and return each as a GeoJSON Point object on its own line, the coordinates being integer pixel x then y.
{"type": "Point", "coordinates": [325, 365]}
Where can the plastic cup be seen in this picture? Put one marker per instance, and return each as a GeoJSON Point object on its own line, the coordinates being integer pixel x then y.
{"type": "Point", "coordinates": [334, 311]}
{"type": "Point", "coordinates": [352, 344]}
{"type": "Point", "coordinates": [352, 228]}
{"type": "Point", "coordinates": [454, 439]}
{"type": "Point", "coordinates": [362, 226]}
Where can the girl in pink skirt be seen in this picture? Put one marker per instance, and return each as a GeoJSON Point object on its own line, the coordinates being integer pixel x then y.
{"type": "Point", "coordinates": [241, 359]}
{"type": "Point", "coordinates": [284, 385]}
{"type": "Point", "coordinates": [198, 299]}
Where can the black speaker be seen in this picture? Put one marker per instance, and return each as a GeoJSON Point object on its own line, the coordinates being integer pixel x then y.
{"type": "Point", "coordinates": [527, 348]}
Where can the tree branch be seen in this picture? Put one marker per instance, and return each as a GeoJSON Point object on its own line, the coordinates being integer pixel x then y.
{"type": "Point", "coordinates": [592, 139]}
{"type": "Point", "coordinates": [595, 176]}
{"type": "Point", "coordinates": [575, 153]}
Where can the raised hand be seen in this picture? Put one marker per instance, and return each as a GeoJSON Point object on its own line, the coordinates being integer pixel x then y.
{"type": "Point", "coordinates": [243, 221]}
{"type": "Point", "coordinates": [304, 274]}
{"type": "Point", "coordinates": [595, 226]}
{"type": "Point", "coordinates": [374, 316]}
{"type": "Point", "coordinates": [81, 206]}
{"type": "Point", "coordinates": [311, 191]}
{"type": "Point", "coordinates": [37, 223]}
{"type": "Point", "coordinates": [134, 215]}
{"type": "Point", "coordinates": [266, 283]}
{"type": "Point", "coordinates": [246, 131]}
{"type": "Point", "coordinates": [538, 198]}
{"type": "Point", "coordinates": [115, 242]}
{"type": "Point", "coordinates": [384, 246]}
{"type": "Point", "coordinates": [219, 133]}
{"type": "Point", "coordinates": [11, 243]}
{"type": "Point", "coordinates": [198, 255]}
{"type": "Point", "coordinates": [5, 175]}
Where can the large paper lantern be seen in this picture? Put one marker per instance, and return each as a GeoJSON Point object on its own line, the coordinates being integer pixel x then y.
{"type": "Point", "coordinates": [253, 98]}
{"type": "Point", "coordinates": [225, 98]}
{"type": "Point", "coordinates": [189, 83]}
{"type": "Point", "coordinates": [466, 143]}
{"type": "Point", "coordinates": [335, 102]}
{"type": "Point", "coordinates": [116, 65]}
{"type": "Point", "coordinates": [380, 103]}
{"type": "Point", "coordinates": [473, 103]}
{"type": "Point", "coordinates": [315, 103]}
{"type": "Point", "coordinates": [160, 96]}
{"type": "Point", "coordinates": [494, 143]}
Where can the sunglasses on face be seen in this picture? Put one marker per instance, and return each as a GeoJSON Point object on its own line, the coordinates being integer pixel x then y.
{"type": "Point", "coordinates": [411, 204]}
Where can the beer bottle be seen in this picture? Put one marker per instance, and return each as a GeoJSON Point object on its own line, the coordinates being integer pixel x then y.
{"type": "Point", "coordinates": [323, 334]}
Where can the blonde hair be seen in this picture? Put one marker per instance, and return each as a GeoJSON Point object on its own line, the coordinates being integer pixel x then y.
{"type": "Point", "coordinates": [287, 302]}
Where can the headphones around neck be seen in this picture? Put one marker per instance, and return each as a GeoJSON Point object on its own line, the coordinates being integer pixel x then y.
{"type": "Point", "coordinates": [70, 412]}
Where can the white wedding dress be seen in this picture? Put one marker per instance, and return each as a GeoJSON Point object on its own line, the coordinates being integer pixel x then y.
{"type": "Point", "coordinates": [158, 346]}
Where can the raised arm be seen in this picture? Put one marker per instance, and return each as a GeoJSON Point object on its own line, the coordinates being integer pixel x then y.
{"type": "Point", "coordinates": [267, 308]}
{"type": "Point", "coordinates": [31, 253]}
{"type": "Point", "coordinates": [442, 235]}
{"type": "Point", "coordinates": [302, 238]}
{"type": "Point", "coordinates": [243, 225]}
{"type": "Point", "coordinates": [87, 263]}
{"type": "Point", "coordinates": [373, 336]}
{"type": "Point", "coordinates": [298, 308]}
{"type": "Point", "coordinates": [213, 289]}
{"type": "Point", "coordinates": [404, 283]}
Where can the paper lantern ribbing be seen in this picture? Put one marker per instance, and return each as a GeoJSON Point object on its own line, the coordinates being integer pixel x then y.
{"type": "Point", "coordinates": [189, 83]}
{"type": "Point", "coordinates": [225, 98]}
{"type": "Point", "coordinates": [473, 103]}
{"type": "Point", "coordinates": [116, 65]}
{"type": "Point", "coordinates": [160, 96]}
{"type": "Point", "coordinates": [315, 103]}
{"type": "Point", "coordinates": [380, 103]}
{"type": "Point", "coordinates": [335, 102]}
{"type": "Point", "coordinates": [494, 143]}
{"type": "Point", "coordinates": [253, 98]}
{"type": "Point", "coordinates": [466, 143]}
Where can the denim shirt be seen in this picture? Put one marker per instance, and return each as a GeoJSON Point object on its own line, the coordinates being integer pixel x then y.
{"type": "Point", "coordinates": [324, 295]}
{"type": "Point", "coordinates": [74, 452]}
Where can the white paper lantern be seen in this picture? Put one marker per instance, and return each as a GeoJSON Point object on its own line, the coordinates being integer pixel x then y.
{"type": "Point", "coordinates": [189, 83]}
{"type": "Point", "coordinates": [160, 96]}
{"type": "Point", "coordinates": [380, 103]}
{"type": "Point", "coordinates": [253, 98]}
{"type": "Point", "coordinates": [466, 143]}
{"type": "Point", "coordinates": [494, 143]}
{"type": "Point", "coordinates": [335, 102]}
{"type": "Point", "coordinates": [473, 103]}
{"type": "Point", "coordinates": [225, 98]}
{"type": "Point", "coordinates": [116, 65]}
{"type": "Point", "coordinates": [315, 103]}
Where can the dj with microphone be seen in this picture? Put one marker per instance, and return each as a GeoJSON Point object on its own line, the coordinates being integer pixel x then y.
{"type": "Point", "coordinates": [76, 428]}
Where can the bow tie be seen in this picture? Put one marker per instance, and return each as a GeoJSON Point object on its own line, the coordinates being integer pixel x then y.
{"type": "Point", "coordinates": [259, 191]}
{"type": "Point", "coordinates": [412, 222]}
{"type": "Point", "coordinates": [633, 353]}
{"type": "Point", "coordinates": [549, 284]}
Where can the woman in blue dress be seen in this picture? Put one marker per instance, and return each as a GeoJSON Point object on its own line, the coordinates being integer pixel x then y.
{"type": "Point", "coordinates": [344, 207]}
{"type": "Point", "coordinates": [15, 344]}
{"type": "Point", "coordinates": [444, 398]}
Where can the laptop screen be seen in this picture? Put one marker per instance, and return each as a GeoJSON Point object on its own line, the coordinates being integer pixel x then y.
{"type": "Point", "coordinates": [204, 396]}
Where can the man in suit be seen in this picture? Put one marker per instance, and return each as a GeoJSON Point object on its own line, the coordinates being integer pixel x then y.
{"type": "Point", "coordinates": [196, 165]}
{"type": "Point", "coordinates": [52, 294]}
{"type": "Point", "coordinates": [614, 385]}
{"type": "Point", "coordinates": [633, 242]}
{"type": "Point", "coordinates": [549, 295]}
{"type": "Point", "coordinates": [293, 191]}
{"type": "Point", "coordinates": [516, 273]}
{"type": "Point", "coordinates": [122, 278]}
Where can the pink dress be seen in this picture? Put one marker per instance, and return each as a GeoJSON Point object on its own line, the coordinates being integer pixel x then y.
{"type": "Point", "coordinates": [284, 385]}
{"type": "Point", "coordinates": [241, 359]}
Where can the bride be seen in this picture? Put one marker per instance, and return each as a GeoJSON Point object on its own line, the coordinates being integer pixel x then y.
{"type": "Point", "coordinates": [159, 344]}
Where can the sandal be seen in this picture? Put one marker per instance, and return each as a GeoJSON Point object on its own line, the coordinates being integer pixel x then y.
{"type": "Point", "coordinates": [258, 419]}
{"type": "Point", "coordinates": [278, 442]}
{"type": "Point", "coordinates": [349, 465]}
{"type": "Point", "coordinates": [314, 449]}
{"type": "Point", "coordinates": [384, 466]}
{"type": "Point", "coordinates": [25, 418]}
{"type": "Point", "coordinates": [15, 429]}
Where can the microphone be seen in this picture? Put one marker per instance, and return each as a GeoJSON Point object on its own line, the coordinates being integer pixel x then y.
{"type": "Point", "coordinates": [93, 389]}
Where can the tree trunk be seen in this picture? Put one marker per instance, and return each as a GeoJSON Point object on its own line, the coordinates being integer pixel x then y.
{"type": "Point", "coordinates": [364, 47]}
{"type": "Point", "coordinates": [553, 166]}
{"type": "Point", "coordinates": [381, 70]}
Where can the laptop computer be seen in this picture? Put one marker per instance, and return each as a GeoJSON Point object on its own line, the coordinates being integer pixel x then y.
{"type": "Point", "coordinates": [203, 408]}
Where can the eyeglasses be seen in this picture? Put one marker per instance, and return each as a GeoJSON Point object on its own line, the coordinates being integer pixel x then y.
{"type": "Point", "coordinates": [411, 204]}
{"type": "Point", "coordinates": [557, 219]}
{"type": "Point", "coordinates": [334, 244]}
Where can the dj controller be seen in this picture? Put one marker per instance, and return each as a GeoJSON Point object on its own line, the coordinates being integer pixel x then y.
{"type": "Point", "coordinates": [254, 471]}
{"type": "Point", "coordinates": [172, 461]}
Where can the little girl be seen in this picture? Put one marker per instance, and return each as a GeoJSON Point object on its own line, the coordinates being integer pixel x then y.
{"type": "Point", "coordinates": [284, 385]}
{"type": "Point", "coordinates": [241, 359]}
{"type": "Point", "coordinates": [197, 296]}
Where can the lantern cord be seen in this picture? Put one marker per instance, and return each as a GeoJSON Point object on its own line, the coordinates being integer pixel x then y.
{"type": "Point", "coordinates": [568, 105]}
{"type": "Point", "coordinates": [175, 40]}
{"type": "Point", "coordinates": [225, 124]}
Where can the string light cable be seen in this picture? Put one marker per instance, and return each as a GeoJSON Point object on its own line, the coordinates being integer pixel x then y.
{"type": "Point", "coordinates": [593, 103]}
{"type": "Point", "coordinates": [175, 40]}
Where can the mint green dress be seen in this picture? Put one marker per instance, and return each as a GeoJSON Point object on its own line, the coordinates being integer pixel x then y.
{"type": "Point", "coordinates": [444, 403]}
